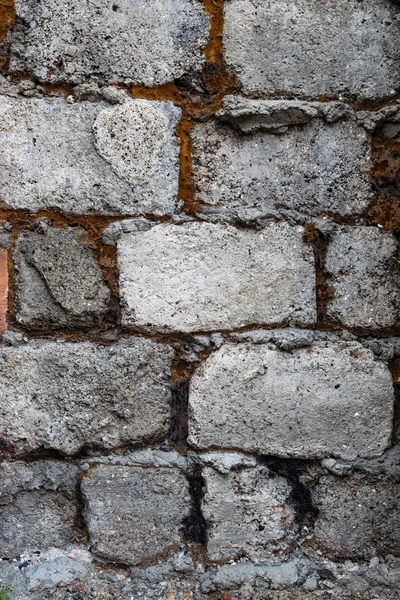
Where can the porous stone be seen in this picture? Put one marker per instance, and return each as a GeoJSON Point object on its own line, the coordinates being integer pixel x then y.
{"type": "Point", "coordinates": [290, 162]}
{"type": "Point", "coordinates": [132, 41]}
{"type": "Point", "coordinates": [89, 157]}
{"type": "Point", "coordinates": [362, 264]}
{"type": "Point", "coordinates": [135, 514]}
{"type": "Point", "coordinates": [328, 399]}
{"type": "Point", "coordinates": [201, 276]}
{"type": "Point", "coordinates": [37, 506]}
{"type": "Point", "coordinates": [58, 281]}
{"type": "Point", "coordinates": [330, 48]}
{"type": "Point", "coordinates": [247, 514]}
{"type": "Point", "coordinates": [358, 516]}
{"type": "Point", "coordinates": [64, 395]}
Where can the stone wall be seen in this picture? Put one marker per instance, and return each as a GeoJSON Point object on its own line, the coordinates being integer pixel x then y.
{"type": "Point", "coordinates": [200, 299]}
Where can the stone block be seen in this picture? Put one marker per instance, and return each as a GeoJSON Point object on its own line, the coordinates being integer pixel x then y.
{"type": "Point", "coordinates": [87, 158]}
{"type": "Point", "coordinates": [135, 514]}
{"type": "Point", "coordinates": [65, 396]}
{"type": "Point", "coordinates": [267, 158]}
{"type": "Point", "coordinates": [329, 48]}
{"type": "Point", "coordinates": [247, 514]}
{"type": "Point", "coordinates": [358, 516]}
{"type": "Point", "coordinates": [37, 506]}
{"type": "Point", "coordinates": [58, 282]}
{"type": "Point", "coordinates": [327, 399]}
{"type": "Point", "coordinates": [148, 42]}
{"type": "Point", "coordinates": [362, 264]}
{"type": "Point", "coordinates": [202, 277]}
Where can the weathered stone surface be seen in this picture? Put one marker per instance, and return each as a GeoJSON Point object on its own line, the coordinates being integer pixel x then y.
{"type": "Point", "coordinates": [358, 516]}
{"type": "Point", "coordinates": [330, 399]}
{"type": "Point", "coordinates": [37, 506]}
{"type": "Point", "coordinates": [65, 395]}
{"type": "Point", "coordinates": [200, 276]}
{"type": "Point", "coordinates": [330, 48]}
{"type": "Point", "coordinates": [132, 41]}
{"type": "Point", "coordinates": [89, 158]}
{"type": "Point", "coordinates": [246, 513]}
{"type": "Point", "coordinates": [58, 281]}
{"type": "Point", "coordinates": [292, 163]}
{"type": "Point", "coordinates": [363, 269]}
{"type": "Point", "coordinates": [134, 514]}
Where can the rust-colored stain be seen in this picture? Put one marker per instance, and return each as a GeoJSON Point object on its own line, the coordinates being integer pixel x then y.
{"type": "Point", "coordinates": [385, 175]}
{"type": "Point", "coordinates": [3, 289]}
{"type": "Point", "coordinates": [7, 16]}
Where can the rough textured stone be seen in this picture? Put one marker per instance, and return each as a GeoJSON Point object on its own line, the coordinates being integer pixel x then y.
{"type": "Point", "coordinates": [358, 516]}
{"type": "Point", "coordinates": [246, 513]}
{"type": "Point", "coordinates": [313, 49]}
{"type": "Point", "coordinates": [65, 396]}
{"type": "Point", "coordinates": [131, 41]}
{"type": "Point", "coordinates": [200, 276]}
{"type": "Point", "coordinates": [134, 514]}
{"type": "Point", "coordinates": [297, 165]}
{"type": "Point", "coordinates": [363, 269]}
{"type": "Point", "coordinates": [37, 506]}
{"type": "Point", "coordinates": [330, 399]}
{"type": "Point", "coordinates": [58, 281]}
{"type": "Point", "coordinates": [89, 158]}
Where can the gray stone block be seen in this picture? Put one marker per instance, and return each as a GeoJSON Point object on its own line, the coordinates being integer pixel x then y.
{"type": "Point", "coordinates": [58, 281]}
{"type": "Point", "coordinates": [362, 264]}
{"type": "Point", "coordinates": [247, 514]}
{"type": "Point", "coordinates": [148, 42]}
{"type": "Point", "coordinates": [313, 49]}
{"type": "Point", "coordinates": [200, 276]}
{"type": "Point", "coordinates": [328, 399]}
{"type": "Point", "coordinates": [135, 514]}
{"type": "Point", "coordinates": [37, 506]}
{"type": "Point", "coordinates": [281, 158]}
{"type": "Point", "coordinates": [89, 158]}
{"type": "Point", "coordinates": [358, 516]}
{"type": "Point", "coordinates": [65, 396]}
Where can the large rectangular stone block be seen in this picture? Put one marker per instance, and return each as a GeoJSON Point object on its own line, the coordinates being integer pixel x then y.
{"type": "Point", "coordinates": [89, 158]}
{"type": "Point", "coordinates": [147, 42]}
{"type": "Point", "coordinates": [314, 48]}
{"type": "Point", "coordinates": [200, 276]}
{"type": "Point", "coordinates": [358, 516]}
{"type": "Point", "coordinates": [135, 514]}
{"type": "Point", "coordinates": [281, 158]}
{"type": "Point", "coordinates": [57, 280]}
{"type": "Point", "coordinates": [65, 396]}
{"type": "Point", "coordinates": [362, 264]}
{"type": "Point", "coordinates": [246, 512]}
{"type": "Point", "coordinates": [328, 399]}
{"type": "Point", "coordinates": [37, 506]}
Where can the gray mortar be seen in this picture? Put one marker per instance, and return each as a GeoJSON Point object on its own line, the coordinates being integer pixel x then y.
{"type": "Point", "coordinates": [107, 396]}
{"type": "Point", "coordinates": [293, 404]}
{"type": "Point", "coordinates": [58, 281]}
{"type": "Point", "coordinates": [330, 48]}
{"type": "Point", "coordinates": [150, 43]}
{"type": "Point", "coordinates": [274, 158]}
{"type": "Point", "coordinates": [87, 158]}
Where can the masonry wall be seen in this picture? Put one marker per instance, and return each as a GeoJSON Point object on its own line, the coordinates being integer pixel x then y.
{"type": "Point", "coordinates": [199, 299]}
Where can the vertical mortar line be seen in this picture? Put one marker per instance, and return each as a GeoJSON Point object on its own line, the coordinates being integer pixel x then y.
{"type": "Point", "coordinates": [7, 18]}
{"type": "Point", "coordinates": [11, 275]}
{"type": "Point", "coordinates": [185, 182]}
